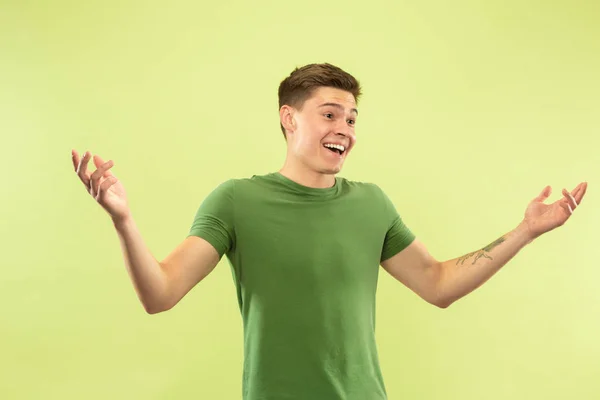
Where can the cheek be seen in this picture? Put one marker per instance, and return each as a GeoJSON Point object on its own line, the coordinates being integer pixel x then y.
{"type": "Point", "coordinates": [312, 139]}
{"type": "Point", "coordinates": [352, 141]}
{"type": "Point", "coordinates": [307, 145]}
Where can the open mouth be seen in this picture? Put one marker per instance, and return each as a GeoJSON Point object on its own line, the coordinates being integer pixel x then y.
{"type": "Point", "coordinates": [338, 149]}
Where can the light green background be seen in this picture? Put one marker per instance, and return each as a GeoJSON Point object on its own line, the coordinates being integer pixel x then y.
{"type": "Point", "coordinates": [470, 108]}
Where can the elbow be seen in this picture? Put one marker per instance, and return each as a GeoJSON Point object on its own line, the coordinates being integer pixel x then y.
{"type": "Point", "coordinates": [155, 310]}
{"type": "Point", "coordinates": [155, 307]}
{"type": "Point", "coordinates": [443, 301]}
{"type": "Point", "coordinates": [437, 296]}
{"type": "Point", "coordinates": [438, 301]}
{"type": "Point", "coordinates": [152, 310]}
{"type": "Point", "coordinates": [156, 302]}
{"type": "Point", "coordinates": [443, 298]}
{"type": "Point", "coordinates": [442, 304]}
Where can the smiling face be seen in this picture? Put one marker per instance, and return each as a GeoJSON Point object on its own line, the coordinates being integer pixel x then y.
{"type": "Point", "coordinates": [327, 118]}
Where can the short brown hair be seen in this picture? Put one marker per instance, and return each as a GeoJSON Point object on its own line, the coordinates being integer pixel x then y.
{"type": "Point", "coordinates": [302, 82]}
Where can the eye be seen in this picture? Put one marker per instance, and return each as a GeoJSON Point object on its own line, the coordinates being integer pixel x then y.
{"type": "Point", "coordinates": [330, 115]}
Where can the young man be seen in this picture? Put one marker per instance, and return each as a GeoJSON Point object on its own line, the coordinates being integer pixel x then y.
{"type": "Point", "coordinates": [305, 248]}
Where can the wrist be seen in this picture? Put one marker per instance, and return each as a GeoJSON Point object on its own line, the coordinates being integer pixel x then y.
{"type": "Point", "coordinates": [122, 221]}
{"type": "Point", "coordinates": [524, 232]}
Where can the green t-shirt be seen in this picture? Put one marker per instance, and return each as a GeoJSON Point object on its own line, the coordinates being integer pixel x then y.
{"type": "Point", "coordinates": [305, 263]}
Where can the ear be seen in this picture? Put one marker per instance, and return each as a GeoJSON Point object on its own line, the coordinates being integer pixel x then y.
{"type": "Point", "coordinates": [286, 117]}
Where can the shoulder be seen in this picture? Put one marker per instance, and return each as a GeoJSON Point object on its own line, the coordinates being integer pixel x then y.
{"type": "Point", "coordinates": [241, 186]}
{"type": "Point", "coordinates": [224, 188]}
{"type": "Point", "coordinates": [240, 183]}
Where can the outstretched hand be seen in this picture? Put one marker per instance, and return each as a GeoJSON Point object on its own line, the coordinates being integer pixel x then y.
{"type": "Point", "coordinates": [541, 218]}
{"type": "Point", "coordinates": [102, 184]}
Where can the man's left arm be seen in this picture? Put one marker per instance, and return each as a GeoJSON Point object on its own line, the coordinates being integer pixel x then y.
{"type": "Point", "coordinates": [442, 283]}
{"type": "Point", "coordinates": [460, 276]}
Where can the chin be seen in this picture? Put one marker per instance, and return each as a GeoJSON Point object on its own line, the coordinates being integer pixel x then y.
{"type": "Point", "coordinates": [331, 171]}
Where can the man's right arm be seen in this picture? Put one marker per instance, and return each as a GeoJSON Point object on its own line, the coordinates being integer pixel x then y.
{"type": "Point", "coordinates": [161, 285]}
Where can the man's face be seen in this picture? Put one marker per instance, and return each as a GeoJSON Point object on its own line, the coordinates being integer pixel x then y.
{"type": "Point", "coordinates": [327, 117]}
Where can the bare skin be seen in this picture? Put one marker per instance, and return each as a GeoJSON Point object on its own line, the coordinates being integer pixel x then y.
{"type": "Point", "coordinates": [308, 162]}
{"type": "Point", "coordinates": [102, 185]}
{"type": "Point", "coordinates": [159, 285]}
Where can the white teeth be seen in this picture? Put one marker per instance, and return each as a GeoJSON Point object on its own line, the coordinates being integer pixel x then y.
{"type": "Point", "coordinates": [335, 146]}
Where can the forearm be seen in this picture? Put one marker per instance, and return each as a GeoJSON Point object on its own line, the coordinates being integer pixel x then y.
{"type": "Point", "coordinates": [460, 276]}
{"type": "Point", "coordinates": [149, 279]}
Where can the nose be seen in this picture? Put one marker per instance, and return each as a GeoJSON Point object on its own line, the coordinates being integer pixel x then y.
{"type": "Point", "coordinates": [344, 129]}
{"type": "Point", "coordinates": [347, 132]}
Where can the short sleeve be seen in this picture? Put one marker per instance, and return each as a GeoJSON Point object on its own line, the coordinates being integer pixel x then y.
{"type": "Point", "coordinates": [214, 220]}
{"type": "Point", "coordinates": [398, 235]}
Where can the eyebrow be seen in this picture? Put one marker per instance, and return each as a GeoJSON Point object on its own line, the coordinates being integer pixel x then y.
{"type": "Point", "coordinates": [336, 105]}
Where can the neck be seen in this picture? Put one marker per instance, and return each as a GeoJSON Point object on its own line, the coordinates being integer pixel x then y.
{"type": "Point", "coordinates": [306, 177]}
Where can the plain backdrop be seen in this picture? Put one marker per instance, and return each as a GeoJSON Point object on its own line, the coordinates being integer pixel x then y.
{"type": "Point", "coordinates": [470, 109]}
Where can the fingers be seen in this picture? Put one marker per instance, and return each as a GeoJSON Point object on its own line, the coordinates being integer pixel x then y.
{"type": "Point", "coordinates": [98, 162]}
{"type": "Point", "coordinates": [570, 199]}
{"type": "Point", "coordinates": [80, 166]}
{"type": "Point", "coordinates": [580, 192]}
{"type": "Point", "coordinates": [99, 173]}
{"type": "Point", "coordinates": [566, 206]}
{"type": "Point", "coordinates": [75, 159]}
{"type": "Point", "coordinates": [573, 199]}
{"type": "Point", "coordinates": [103, 188]}
{"type": "Point", "coordinates": [544, 195]}
{"type": "Point", "coordinates": [92, 182]}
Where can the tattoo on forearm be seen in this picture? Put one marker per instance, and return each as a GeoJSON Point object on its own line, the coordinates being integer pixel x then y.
{"type": "Point", "coordinates": [481, 253]}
